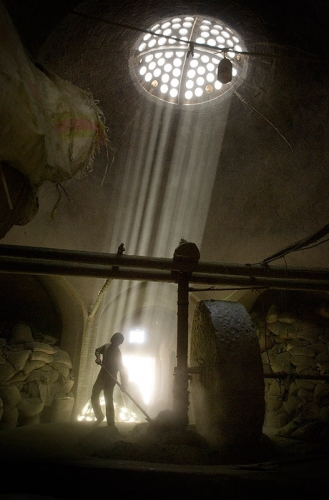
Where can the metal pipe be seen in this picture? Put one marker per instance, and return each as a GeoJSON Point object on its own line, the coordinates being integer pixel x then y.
{"type": "Point", "coordinates": [10, 253]}
{"type": "Point", "coordinates": [29, 260]}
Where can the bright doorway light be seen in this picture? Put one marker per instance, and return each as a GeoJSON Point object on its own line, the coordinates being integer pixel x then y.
{"type": "Point", "coordinates": [122, 414]}
{"type": "Point", "coordinates": [141, 371]}
{"type": "Point", "coordinates": [136, 336]}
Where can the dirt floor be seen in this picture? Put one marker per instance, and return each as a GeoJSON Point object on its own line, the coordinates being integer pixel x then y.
{"type": "Point", "coordinates": [46, 457]}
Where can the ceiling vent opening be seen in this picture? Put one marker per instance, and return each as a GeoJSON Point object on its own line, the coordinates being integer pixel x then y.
{"type": "Point", "coordinates": [177, 60]}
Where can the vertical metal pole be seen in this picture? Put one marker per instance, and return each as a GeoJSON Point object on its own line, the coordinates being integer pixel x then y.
{"type": "Point", "coordinates": [180, 390]}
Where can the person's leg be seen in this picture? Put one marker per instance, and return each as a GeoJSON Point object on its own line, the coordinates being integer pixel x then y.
{"type": "Point", "coordinates": [108, 395]}
{"type": "Point", "coordinates": [95, 394]}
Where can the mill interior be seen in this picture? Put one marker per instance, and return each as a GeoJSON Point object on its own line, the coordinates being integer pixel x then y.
{"type": "Point", "coordinates": [163, 174]}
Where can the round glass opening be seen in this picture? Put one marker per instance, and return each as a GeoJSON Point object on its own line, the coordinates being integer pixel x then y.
{"type": "Point", "coordinates": [179, 57]}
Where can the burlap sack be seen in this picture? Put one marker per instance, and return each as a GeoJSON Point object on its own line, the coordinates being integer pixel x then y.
{"type": "Point", "coordinates": [29, 407]}
{"type": "Point", "coordinates": [6, 372]}
{"type": "Point", "coordinates": [21, 332]}
{"type": "Point", "coordinates": [41, 356]}
{"type": "Point", "coordinates": [61, 409]}
{"type": "Point", "coordinates": [50, 129]}
{"type": "Point", "coordinates": [10, 396]}
{"type": "Point", "coordinates": [40, 347]}
{"type": "Point", "coordinates": [62, 357]}
{"type": "Point", "coordinates": [32, 365]}
{"type": "Point", "coordinates": [18, 359]}
{"type": "Point", "coordinates": [62, 369]}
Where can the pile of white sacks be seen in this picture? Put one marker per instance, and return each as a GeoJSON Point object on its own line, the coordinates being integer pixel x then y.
{"type": "Point", "coordinates": [35, 379]}
{"type": "Point", "coordinates": [296, 407]}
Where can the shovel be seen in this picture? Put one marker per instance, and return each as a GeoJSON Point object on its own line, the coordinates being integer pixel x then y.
{"type": "Point", "coordinates": [148, 418]}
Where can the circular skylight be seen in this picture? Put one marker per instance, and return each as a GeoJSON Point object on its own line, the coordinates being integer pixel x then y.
{"type": "Point", "coordinates": [177, 61]}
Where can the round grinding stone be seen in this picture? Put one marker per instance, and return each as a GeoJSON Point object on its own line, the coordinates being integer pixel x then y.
{"type": "Point", "coordinates": [228, 399]}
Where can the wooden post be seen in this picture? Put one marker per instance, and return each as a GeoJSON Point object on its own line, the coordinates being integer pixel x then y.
{"type": "Point", "coordinates": [180, 390]}
{"type": "Point", "coordinates": [186, 258]}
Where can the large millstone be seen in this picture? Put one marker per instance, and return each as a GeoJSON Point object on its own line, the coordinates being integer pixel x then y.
{"type": "Point", "coordinates": [228, 404]}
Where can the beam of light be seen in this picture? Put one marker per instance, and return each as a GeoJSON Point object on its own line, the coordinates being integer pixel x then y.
{"type": "Point", "coordinates": [186, 189]}
{"type": "Point", "coordinates": [167, 186]}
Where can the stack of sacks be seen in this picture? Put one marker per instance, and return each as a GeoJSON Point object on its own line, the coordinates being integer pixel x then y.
{"type": "Point", "coordinates": [35, 380]}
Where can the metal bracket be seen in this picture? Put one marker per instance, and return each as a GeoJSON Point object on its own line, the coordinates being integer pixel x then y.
{"type": "Point", "coordinates": [197, 370]}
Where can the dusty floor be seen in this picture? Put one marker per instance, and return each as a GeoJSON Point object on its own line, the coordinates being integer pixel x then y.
{"type": "Point", "coordinates": [48, 457]}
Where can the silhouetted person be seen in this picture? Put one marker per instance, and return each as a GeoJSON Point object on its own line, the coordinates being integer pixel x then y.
{"type": "Point", "coordinates": [111, 362]}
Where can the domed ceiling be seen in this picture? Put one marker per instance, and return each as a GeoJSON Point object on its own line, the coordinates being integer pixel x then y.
{"type": "Point", "coordinates": [242, 177]}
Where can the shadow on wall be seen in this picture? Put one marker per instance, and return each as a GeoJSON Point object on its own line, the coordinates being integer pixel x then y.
{"type": "Point", "coordinates": [25, 298]}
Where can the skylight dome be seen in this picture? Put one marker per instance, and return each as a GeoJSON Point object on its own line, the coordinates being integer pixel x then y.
{"type": "Point", "coordinates": [178, 61]}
